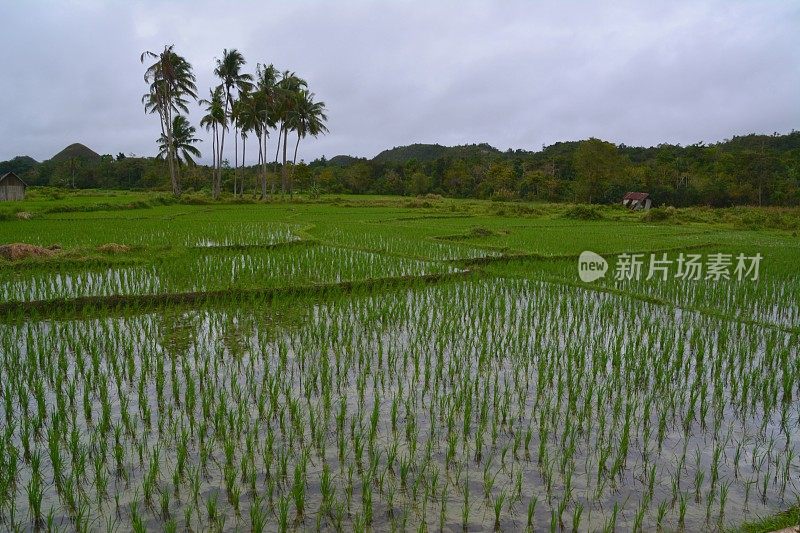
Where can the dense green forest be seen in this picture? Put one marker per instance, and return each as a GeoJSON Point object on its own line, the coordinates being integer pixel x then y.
{"type": "Point", "coordinates": [751, 169]}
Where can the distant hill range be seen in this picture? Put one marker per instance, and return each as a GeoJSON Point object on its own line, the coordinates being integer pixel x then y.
{"type": "Point", "coordinates": [425, 153]}
{"type": "Point", "coordinates": [76, 151]}
{"type": "Point", "coordinates": [23, 163]}
{"type": "Point", "coordinates": [432, 152]}
{"type": "Point", "coordinates": [19, 165]}
{"type": "Point", "coordinates": [344, 160]}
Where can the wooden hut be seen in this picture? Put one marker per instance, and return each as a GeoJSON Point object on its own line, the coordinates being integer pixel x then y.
{"type": "Point", "coordinates": [12, 187]}
{"type": "Point", "coordinates": [636, 200]}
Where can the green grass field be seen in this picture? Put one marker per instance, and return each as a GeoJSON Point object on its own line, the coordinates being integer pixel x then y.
{"type": "Point", "coordinates": [371, 363]}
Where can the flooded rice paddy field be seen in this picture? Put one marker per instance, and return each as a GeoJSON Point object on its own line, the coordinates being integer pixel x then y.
{"type": "Point", "coordinates": [163, 228]}
{"type": "Point", "coordinates": [213, 270]}
{"type": "Point", "coordinates": [482, 403]}
{"type": "Point", "coordinates": [437, 368]}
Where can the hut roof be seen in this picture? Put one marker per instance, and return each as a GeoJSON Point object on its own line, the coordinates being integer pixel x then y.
{"type": "Point", "coordinates": [635, 196]}
{"type": "Point", "coordinates": [7, 175]}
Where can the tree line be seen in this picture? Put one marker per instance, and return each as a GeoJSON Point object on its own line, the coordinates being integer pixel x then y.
{"type": "Point", "coordinates": [751, 170]}
{"type": "Point", "coordinates": [746, 170]}
{"type": "Point", "coordinates": [250, 104]}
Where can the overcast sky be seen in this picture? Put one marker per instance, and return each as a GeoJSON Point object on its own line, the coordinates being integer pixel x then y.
{"type": "Point", "coordinates": [511, 73]}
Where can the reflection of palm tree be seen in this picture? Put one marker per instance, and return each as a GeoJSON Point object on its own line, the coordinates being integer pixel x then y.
{"type": "Point", "coordinates": [183, 141]}
{"type": "Point", "coordinates": [171, 83]}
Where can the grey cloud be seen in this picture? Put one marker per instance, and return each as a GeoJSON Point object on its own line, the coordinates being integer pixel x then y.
{"type": "Point", "coordinates": [515, 73]}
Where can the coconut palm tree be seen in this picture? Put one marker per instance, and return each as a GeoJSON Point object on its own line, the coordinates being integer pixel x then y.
{"type": "Point", "coordinates": [287, 98]}
{"type": "Point", "coordinates": [244, 118]}
{"type": "Point", "coordinates": [229, 71]}
{"type": "Point", "coordinates": [236, 120]}
{"type": "Point", "coordinates": [215, 120]}
{"type": "Point", "coordinates": [183, 141]}
{"type": "Point", "coordinates": [264, 109]}
{"type": "Point", "coordinates": [308, 118]}
{"type": "Point", "coordinates": [171, 85]}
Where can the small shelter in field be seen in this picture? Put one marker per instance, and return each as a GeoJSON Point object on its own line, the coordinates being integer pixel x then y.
{"type": "Point", "coordinates": [12, 187]}
{"type": "Point", "coordinates": [636, 200]}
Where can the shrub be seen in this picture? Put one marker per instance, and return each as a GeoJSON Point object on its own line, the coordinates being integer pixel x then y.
{"type": "Point", "coordinates": [504, 195]}
{"type": "Point", "coordinates": [195, 199]}
{"type": "Point", "coordinates": [583, 212]}
{"type": "Point", "coordinates": [314, 192]}
{"type": "Point", "coordinates": [659, 214]}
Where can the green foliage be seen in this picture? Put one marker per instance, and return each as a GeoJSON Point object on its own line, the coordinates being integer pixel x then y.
{"type": "Point", "coordinates": [598, 167]}
{"type": "Point", "coordinates": [20, 165]}
{"type": "Point", "coordinates": [754, 169]}
{"type": "Point", "coordinates": [432, 152]}
{"type": "Point", "coordinates": [787, 519]}
{"type": "Point", "coordinates": [749, 170]}
{"type": "Point", "coordinates": [659, 214]}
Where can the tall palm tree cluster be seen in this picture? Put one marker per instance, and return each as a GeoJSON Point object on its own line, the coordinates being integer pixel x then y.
{"type": "Point", "coordinates": [269, 101]}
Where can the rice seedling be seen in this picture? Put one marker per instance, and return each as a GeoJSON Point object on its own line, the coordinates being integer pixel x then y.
{"type": "Point", "coordinates": [416, 404]}
{"type": "Point", "coordinates": [35, 495]}
{"type": "Point", "coordinates": [283, 514]}
{"type": "Point", "coordinates": [498, 508]}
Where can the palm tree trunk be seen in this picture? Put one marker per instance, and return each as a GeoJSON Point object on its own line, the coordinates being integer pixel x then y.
{"type": "Point", "coordinates": [235, 157]}
{"type": "Point", "coordinates": [176, 186]}
{"type": "Point", "coordinates": [294, 159]}
{"type": "Point", "coordinates": [244, 168]}
{"type": "Point", "coordinates": [218, 181]}
{"type": "Point", "coordinates": [220, 142]}
{"type": "Point", "coordinates": [213, 156]}
{"type": "Point", "coordinates": [260, 156]}
{"type": "Point", "coordinates": [284, 178]}
{"type": "Point", "coordinates": [278, 149]}
{"type": "Point", "coordinates": [277, 152]}
{"type": "Point", "coordinates": [173, 181]}
{"type": "Point", "coordinates": [263, 154]}
{"type": "Point", "coordinates": [294, 162]}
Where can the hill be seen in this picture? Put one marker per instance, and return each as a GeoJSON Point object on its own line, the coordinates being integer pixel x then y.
{"type": "Point", "coordinates": [19, 165]}
{"type": "Point", "coordinates": [431, 152]}
{"type": "Point", "coordinates": [343, 160]}
{"type": "Point", "coordinates": [78, 151]}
